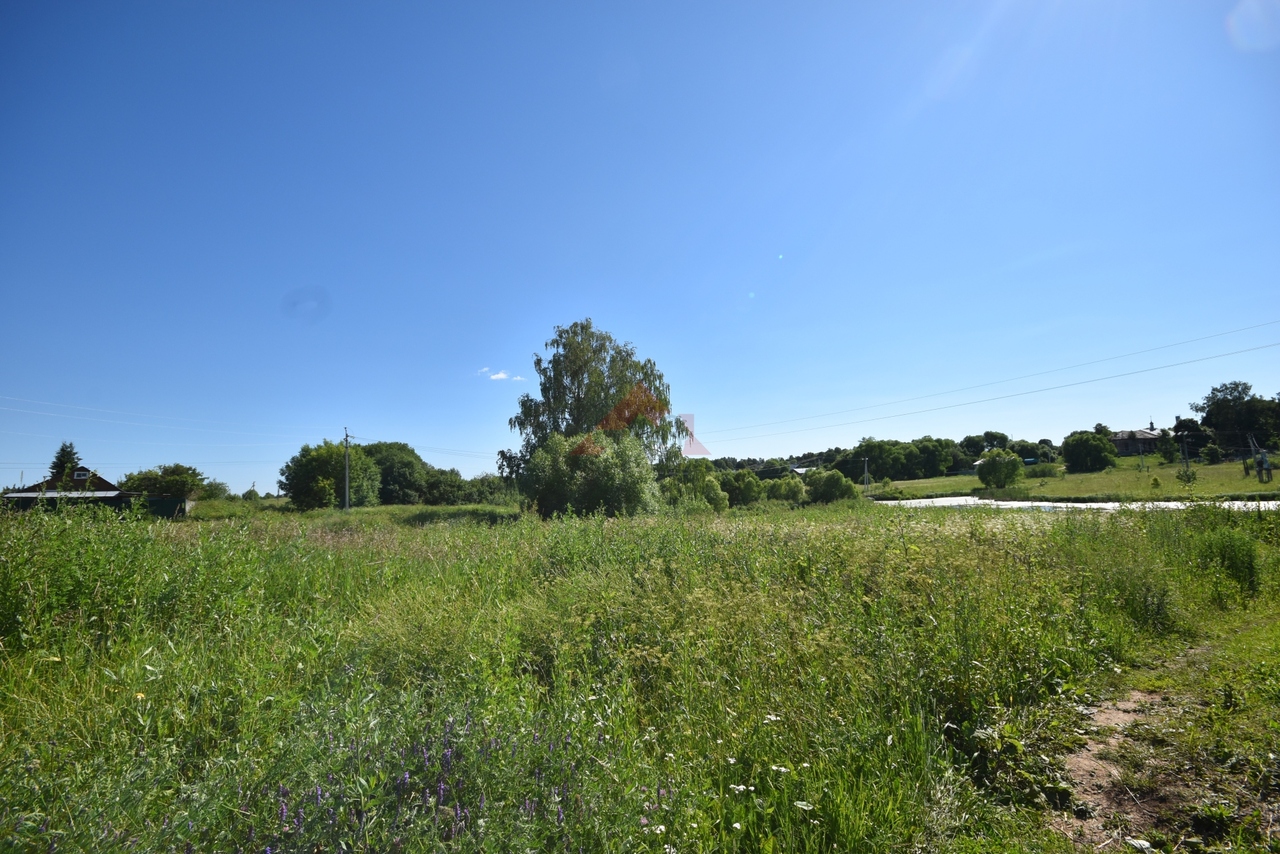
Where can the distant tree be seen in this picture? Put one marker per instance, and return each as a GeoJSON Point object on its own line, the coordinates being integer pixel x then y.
{"type": "Point", "coordinates": [1102, 430]}
{"type": "Point", "coordinates": [1190, 433]}
{"type": "Point", "coordinates": [65, 460]}
{"type": "Point", "coordinates": [175, 479]}
{"type": "Point", "coordinates": [1085, 451]}
{"type": "Point", "coordinates": [973, 446]}
{"type": "Point", "coordinates": [1166, 447]}
{"type": "Point", "coordinates": [994, 439]}
{"type": "Point", "coordinates": [830, 485]}
{"type": "Point", "coordinates": [1028, 451]}
{"type": "Point", "coordinates": [487, 489]}
{"type": "Point", "coordinates": [250, 494]}
{"type": "Point", "coordinates": [1211, 454]}
{"type": "Point", "coordinates": [789, 488]}
{"type": "Point", "coordinates": [999, 468]}
{"type": "Point", "coordinates": [743, 487]}
{"type": "Point", "coordinates": [1233, 412]}
{"type": "Point", "coordinates": [402, 474]}
{"type": "Point", "coordinates": [591, 381]}
{"type": "Point", "coordinates": [214, 490]}
{"type": "Point", "coordinates": [313, 478]}
{"type": "Point", "coordinates": [935, 456]}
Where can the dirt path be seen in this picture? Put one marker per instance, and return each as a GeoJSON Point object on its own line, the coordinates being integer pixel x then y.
{"type": "Point", "coordinates": [1107, 811]}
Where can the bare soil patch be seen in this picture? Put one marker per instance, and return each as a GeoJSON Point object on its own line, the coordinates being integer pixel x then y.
{"type": "Point", "coordinates": [1106, 808]}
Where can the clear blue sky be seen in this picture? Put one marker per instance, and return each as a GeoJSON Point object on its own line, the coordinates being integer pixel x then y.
{"type": "Point", "coordinates": [228, 229]}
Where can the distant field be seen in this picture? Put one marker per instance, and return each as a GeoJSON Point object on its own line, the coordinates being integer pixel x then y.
{"type": "Point", "coordinates": [1125, 480]}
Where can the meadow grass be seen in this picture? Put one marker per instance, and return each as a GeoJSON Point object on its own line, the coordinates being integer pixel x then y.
{"type": "Point", "coordinates": [853, 678]}
{"type": "Point", "coordinates": [1123, 482]}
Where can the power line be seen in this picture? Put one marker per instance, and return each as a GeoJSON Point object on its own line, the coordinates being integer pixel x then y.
{"type": "Point", "coordinates": [139, 424]}
{"type": "Point", "coordinates": [1005, 396]}
{"type": "Point", "coordinates": [135, 414]}
{"type": "Point", "coordinates": [986, 384]}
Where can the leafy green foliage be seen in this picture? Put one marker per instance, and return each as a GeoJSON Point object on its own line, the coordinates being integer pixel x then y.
{"type": "Point", "coordinates": [1233, 412]}
{"type": "Point", "coordinates": [609, 474]}
{"type": "Point", "coordinates": [694, 484]}
{"type": "Point", "coordinates": [789, 488]}
{"type": "Point", "coordinates": [742, 487]}
{"type": "Point", "coordinates": [1166, 447]}
{"type": "Point", "coordinates": [1211, 454]}
{"type": "Point", "coordinates": [587, 374]}
{"type": "Point", "coordinates": [313, 478]}
{"type": "Point", "coordinates": [403, 475]}
{"type": "Point", "coordinates": [1085, 451]}
{"type": "Point", "coordinates": [215, 490]}
{"type": "Point", "coordinates": [827, 486]}
{"type": "Point", "coordinates": [1000, 468]}
{"type": "Point", "coordinates": [175, 479]}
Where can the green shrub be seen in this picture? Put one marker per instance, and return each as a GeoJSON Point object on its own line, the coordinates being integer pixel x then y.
{"type": "Point", "coordinates": [1211, 454]}
{"type": "Point", "coordinates": [789, 488]}
{"type": "Point", "coordinates": [1042, 470]}
{"type": "Point", "coordinates": [598, 473]}
{"type": "Point", "coordinates": [742, 486]}
{"type": "Point", "coordinates": [827, 486]}
{"type": "Point", "coordinates": [1088, 451]}
{"type": "Point", "coordinates": [1000, 469]}
{"type": "Point", "coordinates": [314, 478]}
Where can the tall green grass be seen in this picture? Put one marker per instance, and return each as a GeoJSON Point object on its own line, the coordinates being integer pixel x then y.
{"type": "Point", "coordinates": [859, 678]}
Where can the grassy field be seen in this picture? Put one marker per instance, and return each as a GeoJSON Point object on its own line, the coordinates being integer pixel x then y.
{"type": "Point", "coordinates": [850, 678]}
{"type": "Point", "coordinates": [1125, 481]}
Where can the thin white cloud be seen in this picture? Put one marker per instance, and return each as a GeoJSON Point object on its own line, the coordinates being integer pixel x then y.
{"type": "Point", "coordinates": [483, 371]}
{"type": "Point", "coordinates": [517, 379]}
{"type": "Point", "coordinates": [500, 375]}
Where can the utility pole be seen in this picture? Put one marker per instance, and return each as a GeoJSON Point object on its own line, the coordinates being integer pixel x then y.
{"type": "Point", "coordinates": [346, 469]}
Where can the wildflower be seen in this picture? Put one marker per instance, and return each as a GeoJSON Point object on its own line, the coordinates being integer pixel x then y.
{"type": "Point", "coordinates": [780, 769]}
{"type": "Point", "coordinates": [771, 718]}
{"type": "Point", "coordinates": [139, 696]}
{"type": "Point", "coordinates": [804, 764]}
{"type": "Point", "coordinates": [662, 828]}
{"type": "Point", "coordinates": [732, 760]}
{"type": "Point", "coordinates": [737, 825]}
{"type": "Point", "coordinates": [671, 756]}
{"type": "Point", "coordinates": [737, 788]}
{"type": "Point", "coordinates": [643, 821]}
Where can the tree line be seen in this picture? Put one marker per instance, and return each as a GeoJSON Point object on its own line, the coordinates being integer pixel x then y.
{"type": "Point", "coordinates": [599, 438]}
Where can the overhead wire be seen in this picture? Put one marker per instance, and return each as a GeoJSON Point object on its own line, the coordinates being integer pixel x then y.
{"type": "Point", "coordinates": [992, 382]}
{"type": "Point", "coordinates": [1005, 396]}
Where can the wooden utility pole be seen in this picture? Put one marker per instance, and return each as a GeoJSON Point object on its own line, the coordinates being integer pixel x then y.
{"type": "Point", "coordinates": [346, 469]}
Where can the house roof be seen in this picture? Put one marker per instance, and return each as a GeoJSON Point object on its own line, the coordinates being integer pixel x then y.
{"type": "Point", "coordinates": [84, 482]}
{"type": "Point", "coordinates": [1135, 434]}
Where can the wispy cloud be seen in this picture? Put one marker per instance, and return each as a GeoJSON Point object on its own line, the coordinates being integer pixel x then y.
{"type": "Point", "coordinates": [483, 371]}
{"type": "Point", "coordinates": [517, 379]}
{"type": "Point", "coordinates": [500, 375]}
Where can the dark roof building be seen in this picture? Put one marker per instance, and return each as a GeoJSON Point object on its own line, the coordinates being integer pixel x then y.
{"type": "Point", "coordinates": [82, 484]}
{"type": "Point", "coordinates": [1130, 443]}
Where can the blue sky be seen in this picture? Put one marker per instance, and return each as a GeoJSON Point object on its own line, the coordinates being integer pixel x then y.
{"type": "Point", "coordinates": [226, 230]}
